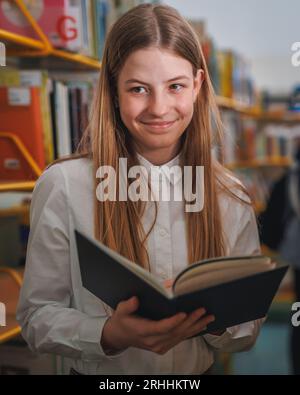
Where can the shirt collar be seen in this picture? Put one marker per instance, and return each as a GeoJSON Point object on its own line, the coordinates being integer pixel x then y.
{"type": "Point", "coordinates": [164, 169]}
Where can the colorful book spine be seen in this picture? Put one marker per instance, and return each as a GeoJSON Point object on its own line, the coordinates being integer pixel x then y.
{"type": "Point", "coordinates": [34, 78]}
{"type": "Point", "coordinates": [21, 115]}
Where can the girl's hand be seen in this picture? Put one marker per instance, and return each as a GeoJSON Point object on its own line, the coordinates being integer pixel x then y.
{"type": "Point", "coordinates": [123, 329]}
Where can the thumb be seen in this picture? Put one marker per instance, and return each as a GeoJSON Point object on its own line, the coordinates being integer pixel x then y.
{"type": "Point", "coordinates": [128, 306]}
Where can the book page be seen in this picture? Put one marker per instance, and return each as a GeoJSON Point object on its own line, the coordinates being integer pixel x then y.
{"type": "Point", "coordinates": [220, 264]}
{"type": "Point", "coordinates": [217, 273]}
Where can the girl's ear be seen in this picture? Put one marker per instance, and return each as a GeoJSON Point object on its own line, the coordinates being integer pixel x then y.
{"type": "Point", "coordinates": [198, 80]}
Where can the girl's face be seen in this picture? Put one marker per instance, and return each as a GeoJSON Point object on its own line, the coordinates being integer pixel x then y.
{"type": "Point", "coordinates": [156, 94]}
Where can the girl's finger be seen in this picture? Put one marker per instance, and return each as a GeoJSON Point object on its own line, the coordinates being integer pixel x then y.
{"type": "Point", "coordinates": [129, 306]}
{"type": "Point", "coordinates": [191, 319]}
{"type": "Point", "coordinates": [199, 326]}
{"type": "Point", "coordinates": [164, 326]}
{"type": "Point", "coordinates": [177, 330]}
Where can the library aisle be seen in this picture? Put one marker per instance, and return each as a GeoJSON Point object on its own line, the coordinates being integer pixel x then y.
{"type": "Point", "coordinates": [50, 59]}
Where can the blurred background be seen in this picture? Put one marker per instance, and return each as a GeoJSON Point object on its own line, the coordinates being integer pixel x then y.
{"type": "Point", "coordinates": [50, 58]}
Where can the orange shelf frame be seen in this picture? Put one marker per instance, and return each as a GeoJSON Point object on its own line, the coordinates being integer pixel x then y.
{"type": "Point", "coordinates": [24, 185]}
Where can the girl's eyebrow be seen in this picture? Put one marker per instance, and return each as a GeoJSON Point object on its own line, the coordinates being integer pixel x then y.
{"type": "Point", "coordinates": [180, 77]}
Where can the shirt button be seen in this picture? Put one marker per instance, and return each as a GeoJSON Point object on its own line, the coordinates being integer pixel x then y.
{"type": "Point", "coordinates": [162, 232]}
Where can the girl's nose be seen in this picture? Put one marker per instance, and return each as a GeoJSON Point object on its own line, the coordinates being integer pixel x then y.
{"type": "Point", "coordinates": [158, 104]}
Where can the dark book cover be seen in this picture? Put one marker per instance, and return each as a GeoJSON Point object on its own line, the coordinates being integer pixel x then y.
{"type": "Point", "coordinates": [231, 303]}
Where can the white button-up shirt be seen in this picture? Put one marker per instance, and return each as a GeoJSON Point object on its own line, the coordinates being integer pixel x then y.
{"type": "Point", "coordinates": [59, 316]}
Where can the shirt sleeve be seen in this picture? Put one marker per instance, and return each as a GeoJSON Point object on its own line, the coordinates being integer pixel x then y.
{"type": "Point", "coordinates": [48, 322]}
{"type": "Point", "coordinates": [241, 337]}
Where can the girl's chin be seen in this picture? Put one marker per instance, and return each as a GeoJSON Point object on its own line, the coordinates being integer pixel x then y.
{"type": "Point", "coordinates": [160, 141]}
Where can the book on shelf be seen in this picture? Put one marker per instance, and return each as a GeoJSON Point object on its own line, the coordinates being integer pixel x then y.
{"type": "Point", "coordinates": [21, 115]}
{"type": "Point", "coordinates": [235, 79]}
{"type": "Point", "coordinates": [39, 79]}
{"type": "Point", "coordinates": [246, 140]}
{"type": "Point", "coordinates": [209, 50]}
{"type": "Point", "coordinates": [233, 289]}
{"type": "Point", "coordinates": [70, 106]}
{"type": "Point", "coordinates": [61, 103]}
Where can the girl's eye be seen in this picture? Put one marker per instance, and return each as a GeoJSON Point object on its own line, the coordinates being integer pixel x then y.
{"type": "Point", "coordinates": [175, 87]}
{"type": "Point", "coordinates": [136, 89]}
{"type": "Point", "coordinates": [178, 85]}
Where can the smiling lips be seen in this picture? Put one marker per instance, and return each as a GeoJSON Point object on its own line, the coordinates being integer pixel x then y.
{"type": "Point", "coordinates": [159, 125]}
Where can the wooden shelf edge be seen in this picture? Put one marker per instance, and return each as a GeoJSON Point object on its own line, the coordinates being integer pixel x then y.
{"type": "Point", "coordinates": [256, 112]}
{"type": "Point", "coordinates": [37, 45]}
{"type": "Point", "coordinates": [26, 186]}
{"type": "Point", "coordinates": [260, 163]}
{"type": "Point", "coordinates": [11, 333]}
{"type": "Point", "coordinates": [234, 105]}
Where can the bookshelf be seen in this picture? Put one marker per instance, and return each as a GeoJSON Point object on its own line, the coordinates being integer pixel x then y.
{"type": "Point", "coordinates": [28, 52]}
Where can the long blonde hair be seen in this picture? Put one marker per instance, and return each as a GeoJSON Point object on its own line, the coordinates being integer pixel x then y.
{"type": "Point", "coordinates": [106, 139]}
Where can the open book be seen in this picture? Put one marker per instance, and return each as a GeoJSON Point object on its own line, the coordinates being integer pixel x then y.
{"type": "Point", "coordinates": [234, 289]}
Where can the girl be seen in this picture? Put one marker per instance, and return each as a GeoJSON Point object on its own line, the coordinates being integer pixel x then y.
{"type": "Point", "coordinates": [153, 106]}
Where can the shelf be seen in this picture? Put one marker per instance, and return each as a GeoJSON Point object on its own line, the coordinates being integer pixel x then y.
{"type": "Point", "coordinates": [231, 104]}
{"type": "Point", "coordinates": [257, 113]}
{"type": "Point", "coordinates": [275, 162]}
{"type": "Point", "coordinates": [22, 186]}
{"type": "Point", "coordinates": [13, 38]}
{"type": "Point", "coordinates": [26, 186]}
{"type": "Point", "coordinates": [11, 330]}
{"type": "Point", "coordinates": [54, 59]}
{"type": "Point", "coordinates": [287, 117]}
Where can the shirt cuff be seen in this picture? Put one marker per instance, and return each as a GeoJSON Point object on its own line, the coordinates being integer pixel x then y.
{"type": "Point", "coordinates": [218, 341]}
{"type": "Point", "coordinates": [90, 333]}
{"type": "Point", "coordinates": [232, 333]}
